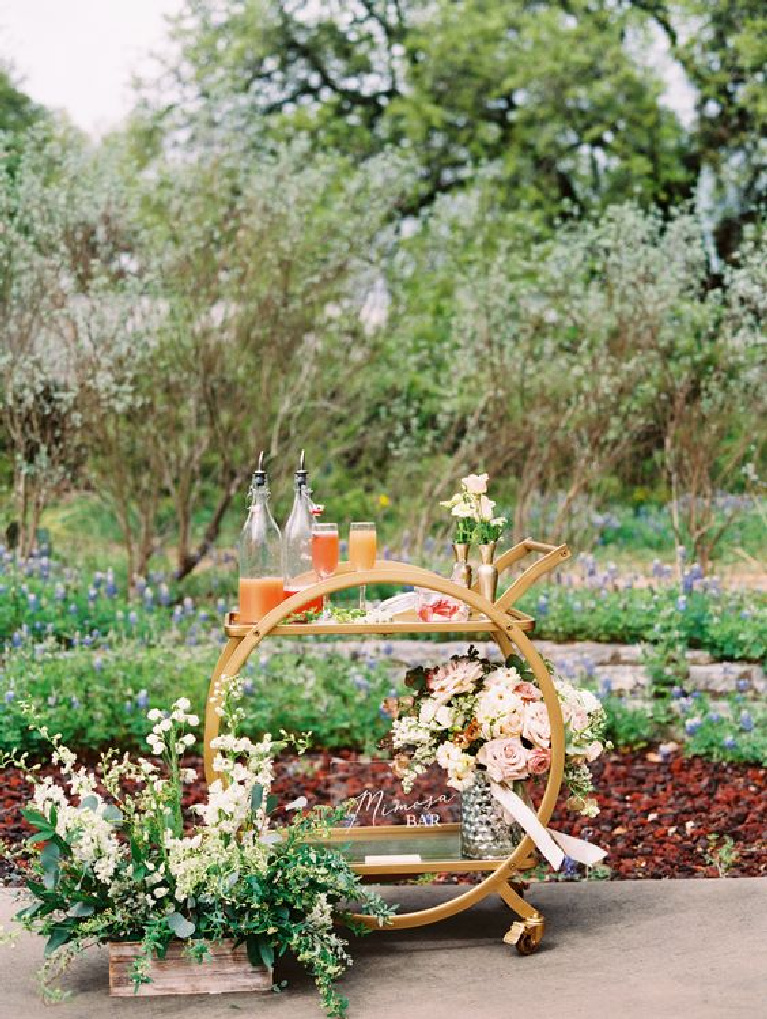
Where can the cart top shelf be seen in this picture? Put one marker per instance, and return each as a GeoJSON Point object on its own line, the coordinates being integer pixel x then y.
{"type": "Point", "coordinates": [400, 625]}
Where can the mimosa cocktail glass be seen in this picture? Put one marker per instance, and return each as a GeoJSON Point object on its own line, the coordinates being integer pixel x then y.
{"type": "Point", "coordinates": [362, 550]}
{"type": "Point", "coordinates": [325, 551]}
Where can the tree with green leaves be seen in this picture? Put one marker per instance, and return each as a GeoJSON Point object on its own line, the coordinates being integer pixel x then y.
{"type": "Point", "coordinates": [550, 93]}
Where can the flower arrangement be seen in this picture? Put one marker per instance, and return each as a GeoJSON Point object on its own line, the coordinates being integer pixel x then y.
{"type": "Point", "coordinates": [471, 715]}
{"type": "Point", "coordinates": [473, 512]}
{"type": "Point", "coordinates": [112, 860]}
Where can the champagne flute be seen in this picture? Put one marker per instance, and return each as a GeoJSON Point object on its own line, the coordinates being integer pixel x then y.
{"type": "Point", "coordinates": [362, 551]}
{"type": "Point", "coordinates": [325, 551]}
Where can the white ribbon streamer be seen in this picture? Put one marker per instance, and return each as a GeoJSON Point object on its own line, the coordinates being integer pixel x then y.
{"type": "Point", "coordinates": [551, 843]}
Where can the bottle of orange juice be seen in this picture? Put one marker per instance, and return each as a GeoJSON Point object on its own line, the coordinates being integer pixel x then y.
{"type": "Point", "coordinates": [261, 579]}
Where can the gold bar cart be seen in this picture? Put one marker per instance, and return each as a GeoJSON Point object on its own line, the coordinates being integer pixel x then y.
{"type": "Point", "coordinates": [437, 848]}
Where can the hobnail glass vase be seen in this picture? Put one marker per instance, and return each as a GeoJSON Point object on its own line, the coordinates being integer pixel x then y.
{"type": "Point", "coordinates": [485, 833]}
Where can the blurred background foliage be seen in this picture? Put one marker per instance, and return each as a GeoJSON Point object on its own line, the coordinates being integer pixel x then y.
{"type": "Point", "coordinates": [416, 238]}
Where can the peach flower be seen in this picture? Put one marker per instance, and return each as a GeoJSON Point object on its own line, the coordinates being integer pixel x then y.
{"type": "Point", "coordinates": [505, 760]}
{"type": "Point", "coordinates": [539, 760]}
{"type": "Point", "coordinates": [528, 692]}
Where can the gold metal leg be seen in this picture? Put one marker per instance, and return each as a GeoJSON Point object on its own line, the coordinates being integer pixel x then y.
{"type": "Point", "coordinates": [525, 934]}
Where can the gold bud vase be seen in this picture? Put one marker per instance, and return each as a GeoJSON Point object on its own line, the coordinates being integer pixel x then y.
{"type": "Point", "coordinates": [487, 572]}
{"type": "Point", "coordinates": [462, 568]}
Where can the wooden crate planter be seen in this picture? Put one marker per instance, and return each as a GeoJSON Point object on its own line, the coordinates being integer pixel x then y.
{"type": "Point", "coordinates": [226, 969]}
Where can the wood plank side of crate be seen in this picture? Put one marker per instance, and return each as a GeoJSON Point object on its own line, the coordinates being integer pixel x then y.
{"type": "Point", "coordinates": [226, 969]}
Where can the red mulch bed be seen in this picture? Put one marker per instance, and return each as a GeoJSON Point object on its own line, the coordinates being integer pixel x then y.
{"type": "Point", "coordinates": [654, 821]}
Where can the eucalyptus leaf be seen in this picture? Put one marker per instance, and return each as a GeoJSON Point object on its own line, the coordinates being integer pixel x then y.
{"type": "Point", "coordinates": [180, 926]}
{"type": "Point", "coordinates": [256, 797]}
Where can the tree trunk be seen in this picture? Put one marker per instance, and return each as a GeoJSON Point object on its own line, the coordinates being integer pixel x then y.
{"type": "Point", "coordinates": [193, 559]}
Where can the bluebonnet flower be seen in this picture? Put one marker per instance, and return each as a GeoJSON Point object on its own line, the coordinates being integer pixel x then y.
{"type": "Point", "coordinates": [87, 640]}
{"type": "Point", "coordinates": [111, 587]}
{"type": "Point", "coordinates": [9, 696]}
{"type": "Point", "coordinates": [696, 695]}
{"type": "Point", "coordinates": [429, 544]}
{"type": "Point", "coordinates": [681, 553]}
{"type": "Point", "coordinates": [98, 663]}
{"type": "Point", "coordinates": [32, 601]}
{"type": "Point", "coordinates": [588, 666]}
{"type": "Point", "coordinates": [202, 615]}
{"type": "Point", "coordinates": [92, 595]}
{"type": "Point", "coordinates": [52, 701]}
{"type": "Point", "coordinates": [743, 685]}
{"type": "Point", "coordinates": [605, 688]}
{"type": "Point", "coordinates": [221, 606]}
{"type": "Point", "coordinates": [691, 726]}
{"type": "Point", "coordinates": [76, 640]}
{"type": "Point", "coordinates": [745, 614]}
{"type": "Point", "coordinates": [72, 609]}
{"type": "Point", "coordinates": [729, 742]}
{"type": "Point", "coordinates": [74, 702]}
{"type": "Point", "coordinates": [133, 617]}
{"type": "Point", "coordinates": [569, 867]}
{"type": "Point", "coordinates": [343, 547]}
{"type": "Point", "coordinates": [140, 585]}
{"type": "Point", "coordinates": [38, 624]}
{"type": "Point", "coordinates": [59, 592]}
{"type": "Point", "coordinates": [142, 699]}
{"type": "Point", "coordinates": [177, 613]}
{"type": "Point", "coordinates": [681, 603]}
{"type": "Point", "coordinates": [247, 686]}
{"type": "Point", "coordinates": [543, 605]}
{"type": "Point", "coordinates": [745, 721]}
{"type": "Point", "coordinates": [714, 716]}
{"type": "Point", "coordinates": [687, 581]}
{"type": "Point", "coordinates": [388, 649]}
{"type": "Point", "coordinates": [16, 639]}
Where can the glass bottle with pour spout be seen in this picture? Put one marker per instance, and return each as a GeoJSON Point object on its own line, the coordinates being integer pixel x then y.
{"type": "Point", "coordinates": [297, 542]}
{"type": "Point", "coordinates": [261, 577]}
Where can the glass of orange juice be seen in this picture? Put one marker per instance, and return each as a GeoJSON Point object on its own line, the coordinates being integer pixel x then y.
{"type": "Point", "coordinates": [325, 550]}
{"type": "Point", "coordinates": [362, 550]}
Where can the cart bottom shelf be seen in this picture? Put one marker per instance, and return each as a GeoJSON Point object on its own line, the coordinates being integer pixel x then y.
{"type": "Point", "coordinates": [402, 850]}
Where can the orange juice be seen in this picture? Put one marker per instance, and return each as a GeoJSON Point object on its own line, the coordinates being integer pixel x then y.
{"type": "Point", "coordinates": [313, 605]}
{"type": "Point", "coordinates": [325, 554]}
{"type": "Point", "coordinates": [259, 595]}
{"type": "Point", "coordinates": [362, 549]}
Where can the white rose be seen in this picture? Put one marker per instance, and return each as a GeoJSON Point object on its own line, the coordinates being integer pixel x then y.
{"type": "Point", "coordinates": [443, 716]}
{"type": "Point", "coordinates": [475, 484]}
{"type": "Point", "coordinates": [463, 509]}
{"type": "Point", "coordinates": [589, 701]}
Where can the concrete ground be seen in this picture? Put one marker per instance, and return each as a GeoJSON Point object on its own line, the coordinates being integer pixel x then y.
{"type": "Point", "coordinates": [622, 950]}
